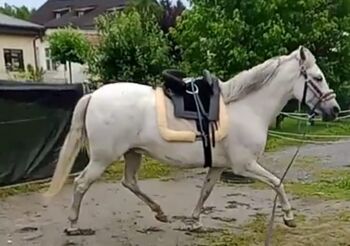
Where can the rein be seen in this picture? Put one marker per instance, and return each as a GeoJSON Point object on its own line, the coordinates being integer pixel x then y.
{"type": "Point", "coordinates": [314, 88]}
{"type": "Point", "coordinates": [270, 225]}
{"type": "Point", "coordinates": [322, 97]}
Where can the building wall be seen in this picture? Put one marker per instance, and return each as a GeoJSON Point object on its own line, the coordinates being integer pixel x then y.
{"type": "Point", "coordinates": [34, 52]}
{"type": "Point", "coordinates": [23, 43]}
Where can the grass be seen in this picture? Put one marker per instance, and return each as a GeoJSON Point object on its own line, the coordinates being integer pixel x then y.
{"type": "Point", "coordinates": [308, 163]}
{"type": "Point", "coordinates": [329, 185]}
{"type": "Point", "coordinates": [150, 169]}
{"type": "Point", "coordinates": [332, 229]}
{"type": "Point", "coordinates": [320, 128]}
{"type": "Point", "coordinates": [26, 188]}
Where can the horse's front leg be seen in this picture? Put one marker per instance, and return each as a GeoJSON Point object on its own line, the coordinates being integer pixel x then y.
{"type": "Point", "coordinates": [210, 180]}
{"type": "Point", "coordinates": [212, 177]}
{"type": "Point", "coordinates": [254, 170]}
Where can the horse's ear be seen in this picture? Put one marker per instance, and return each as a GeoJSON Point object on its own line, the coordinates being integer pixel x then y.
{"type": "Point", "coordinates": [302, 54]}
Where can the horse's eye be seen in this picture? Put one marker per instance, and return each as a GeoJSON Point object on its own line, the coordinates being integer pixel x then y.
{"type": "Point", "coordinates": [318, 78]}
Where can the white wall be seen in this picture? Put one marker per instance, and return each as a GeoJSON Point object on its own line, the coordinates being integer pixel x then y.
{"type": "Point", "coordinates": [24, 43]}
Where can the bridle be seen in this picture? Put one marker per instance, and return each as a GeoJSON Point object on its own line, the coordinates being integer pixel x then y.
{"type": "Point", "coordinates": [315, 89]}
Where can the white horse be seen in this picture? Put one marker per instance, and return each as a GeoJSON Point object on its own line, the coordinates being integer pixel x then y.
{"type": "Point", "coordinates": [120, 120]}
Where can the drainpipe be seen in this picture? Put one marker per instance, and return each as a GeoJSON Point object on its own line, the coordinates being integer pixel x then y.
{"type": "Point", "coordinates": [36, 37]}
{"type": "Point", "coordinates": [35, 54]}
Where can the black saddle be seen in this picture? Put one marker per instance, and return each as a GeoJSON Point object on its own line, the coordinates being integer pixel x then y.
{"type": "Point", "coordinates": [195, 99]}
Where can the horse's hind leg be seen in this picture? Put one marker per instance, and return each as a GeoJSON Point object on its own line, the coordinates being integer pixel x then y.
{"type": "Point", "coordinates": [132, 165]}
{"type": "Point", "coordinates": [82, 183]}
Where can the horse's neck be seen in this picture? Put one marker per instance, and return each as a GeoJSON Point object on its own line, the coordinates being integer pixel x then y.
{"type": "Point", "coordinates": [269, 101]}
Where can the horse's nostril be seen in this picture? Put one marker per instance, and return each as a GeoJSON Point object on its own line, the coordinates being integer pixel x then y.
{"type": "Point", "coordinates": [336, 109]}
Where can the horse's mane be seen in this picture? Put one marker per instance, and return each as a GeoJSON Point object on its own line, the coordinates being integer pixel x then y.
{"type": "Point", "coordinates": [255, 78]}
{"type": "Point", "coordinates": [249, 80]}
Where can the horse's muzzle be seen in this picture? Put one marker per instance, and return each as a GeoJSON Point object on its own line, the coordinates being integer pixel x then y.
{"type": "Point", "coordinates": [330, 114]}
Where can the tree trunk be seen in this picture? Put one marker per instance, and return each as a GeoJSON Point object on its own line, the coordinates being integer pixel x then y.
{"type": "Point", "coordinates": [70, 72]}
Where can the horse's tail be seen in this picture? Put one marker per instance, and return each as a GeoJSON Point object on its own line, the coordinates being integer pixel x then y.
{"type": "Point", "coordinates": [75, 140]}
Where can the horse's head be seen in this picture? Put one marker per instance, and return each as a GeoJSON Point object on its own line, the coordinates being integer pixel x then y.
{"type": "Point", "coordinates": [312, 88]}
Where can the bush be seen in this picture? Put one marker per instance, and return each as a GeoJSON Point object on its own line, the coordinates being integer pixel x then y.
{"type": "Point", "coordinates": [31, 74]}
{"type": "Point", "coordinates": [131, 48]}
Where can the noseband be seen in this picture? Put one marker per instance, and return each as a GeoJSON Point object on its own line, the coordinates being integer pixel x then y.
{"type": "Point", "coordinates": [315, 89]}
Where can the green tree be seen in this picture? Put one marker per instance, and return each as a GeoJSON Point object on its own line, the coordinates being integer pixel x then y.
{"type": "Point", "coordinates": [230, 36]}
{"type": "Point", "coordinates": [131, 48]}
{"type": "Point", "coordinates": [22, 12]}
{"type": "Point", "coordinates": [69, 45]}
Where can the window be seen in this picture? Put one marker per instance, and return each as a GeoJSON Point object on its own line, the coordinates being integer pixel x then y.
{"type": "Point", "coordinates": [115, 9]}
{"type": "Point", "coordinates": [83, 10]}
{"type": "Point", "coordinates": [58, 15]}
{"type": "Point", "coordinates": [13, 59]}
{"type": "Point", "coordinates": [61, 12]}
{"type": "Point", "coordinates": [50, 64]}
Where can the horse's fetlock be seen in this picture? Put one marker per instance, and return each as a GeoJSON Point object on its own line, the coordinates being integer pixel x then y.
{"type": "Point", "coordinates": [158, 209]}
{"type": "Point", "coordinates": [126, 184]}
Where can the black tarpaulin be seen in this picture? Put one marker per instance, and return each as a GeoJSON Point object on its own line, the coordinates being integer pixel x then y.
{"type": "Point", "coordinates": [34, 120]}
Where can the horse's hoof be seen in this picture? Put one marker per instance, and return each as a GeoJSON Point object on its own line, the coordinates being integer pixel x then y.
{"type": "Point", "coordinates": [195, 226]}
{"type": "Point", "coordinates": [162, 218]}
{"type": "Point", "coordinates": [290, 223]}
{"type": "Point", "coordinates": [79, 232]}
{"type": "Point", "coordinates": [191, 226]}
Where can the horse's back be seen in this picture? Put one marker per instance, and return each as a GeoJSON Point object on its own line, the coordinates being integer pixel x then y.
{"type": "Point", "coordinates": [122, 95]}
{"type": "Point", "coordinates": [123, 88]}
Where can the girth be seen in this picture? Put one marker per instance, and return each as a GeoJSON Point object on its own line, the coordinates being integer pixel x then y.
{"type": "Point", "coordinates": [196, 99]}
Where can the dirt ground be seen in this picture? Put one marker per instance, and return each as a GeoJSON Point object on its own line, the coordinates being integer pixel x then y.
{"type": "Point", "coordinates": [120, 218]}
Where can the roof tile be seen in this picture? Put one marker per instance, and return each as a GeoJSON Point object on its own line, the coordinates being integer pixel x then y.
{"type": "Point", "coordinates": [10, 21]}
{"type": "Point", "coordinates": [45, 14]}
